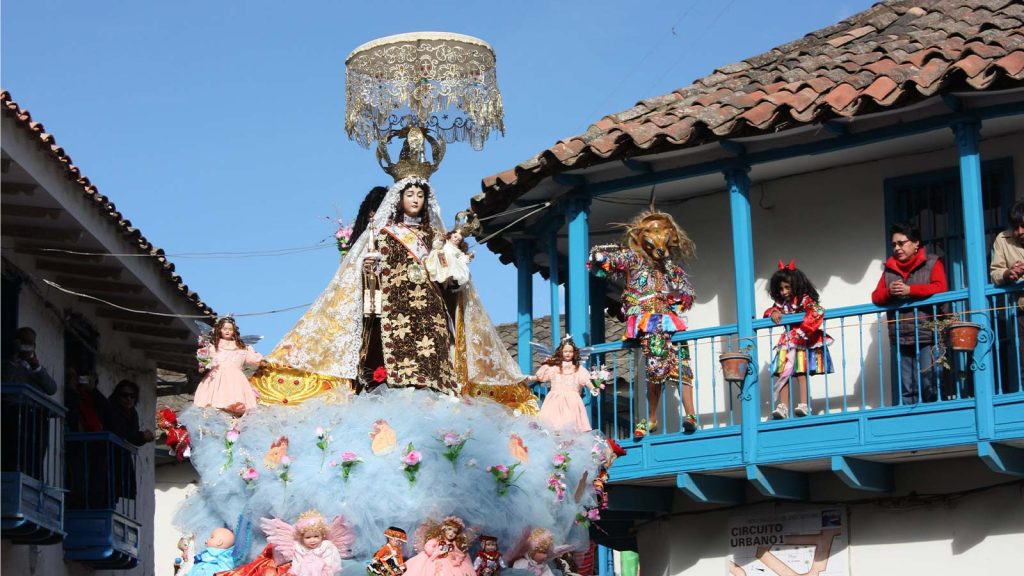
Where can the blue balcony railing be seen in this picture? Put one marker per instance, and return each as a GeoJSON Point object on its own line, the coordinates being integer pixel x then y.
{"type": "Point", "coordinates": [864, 390]}
{"type": "Point", "coordinates": [102, 521]}
{"type": "Point", "coordinates": [32, 472]}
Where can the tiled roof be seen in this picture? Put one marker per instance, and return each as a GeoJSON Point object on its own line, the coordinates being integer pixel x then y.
{"type": "Point", "coordinates": [891, 55]}
{"type": "Point", "coordinates": [100, 202]}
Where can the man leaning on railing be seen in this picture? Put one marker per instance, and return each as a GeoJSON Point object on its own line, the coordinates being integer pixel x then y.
{"type": "Point", "coordinates": [1007, 269]}
{"type": "Point", "coordinates": [22, 421]}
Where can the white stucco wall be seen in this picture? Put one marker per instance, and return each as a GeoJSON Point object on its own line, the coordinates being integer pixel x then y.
{"type": "Point", "coordinates": [979, 533]}
{"type": "Point", "coordinates": [174, 483]}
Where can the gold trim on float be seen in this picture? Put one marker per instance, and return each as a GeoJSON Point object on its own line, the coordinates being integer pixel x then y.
{"type": "Point", "coordinates": [279, 384]}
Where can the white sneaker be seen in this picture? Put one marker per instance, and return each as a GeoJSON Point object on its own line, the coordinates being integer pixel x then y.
{"type": "Point", "coordinates": [800, 411]}
{"type": "Point", "coordinates": [781, 412]}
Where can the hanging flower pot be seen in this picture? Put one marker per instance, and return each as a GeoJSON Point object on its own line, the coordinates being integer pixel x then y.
{"type": "Point", "coordinates": [734, 365]}
{"type": "Point", "coordinates": [963, 336]}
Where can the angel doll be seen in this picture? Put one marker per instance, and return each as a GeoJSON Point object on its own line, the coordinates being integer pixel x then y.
{"type": "Point", "coordinates": [221, 355]}
{"type": "Point", "coordinates": [535, 549]}
{"type": "Point", "coordinates": [444, 552]}
{"type": "Point", "coordinates": [312, 547]}
{"type": "Point", "coordinates": [448, 261]}
{"type": "Point", "coordinates": [562, 408]}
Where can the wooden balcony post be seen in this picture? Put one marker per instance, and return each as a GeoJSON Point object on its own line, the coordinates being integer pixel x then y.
{"type": "Point", "coordinates": [577, 217]}
{"type": "Point", "coordinates": [524, 315]}
{"type": "Point", "coordinates": [743, 260]}
{"type": "Point", "coordinates": [556, 306]}
{"type": "Point", "coordinates": [968, 132]}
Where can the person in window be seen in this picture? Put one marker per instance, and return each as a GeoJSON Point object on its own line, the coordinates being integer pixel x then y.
{"type": "Point", "coordinates": [912, 274]}
{"type": "Point", "coordinates": [1007, 269]}
{"type": "Point", "coordinates": [24, 421]}
{"type": "Point", "coordinates": [23, 367]}
{"type": "Point", "coordinates": [88, 408]}
{"type": "Point", "coordinates": [124, 421]}
{"type": "Point", "coordinates": [88, 411]}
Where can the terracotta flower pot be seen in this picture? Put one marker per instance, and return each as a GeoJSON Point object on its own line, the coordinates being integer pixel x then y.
{"type": "Point", "coordinates": [734, 365]}
{"type": "Point", "coordinates": [963, 336]}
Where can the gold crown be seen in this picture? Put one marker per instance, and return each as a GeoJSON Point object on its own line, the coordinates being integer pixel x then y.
{"type": "Point", "coordinates": [412, 160]}
{"type": "Point", "coordinates": [467, 223]}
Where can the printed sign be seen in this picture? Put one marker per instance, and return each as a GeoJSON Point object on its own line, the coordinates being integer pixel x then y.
{"type": "Point", "coordinates": [808, 542]}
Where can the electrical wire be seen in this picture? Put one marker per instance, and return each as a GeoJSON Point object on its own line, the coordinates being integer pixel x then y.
{"type": "Point", "coordinates": [165, 314]}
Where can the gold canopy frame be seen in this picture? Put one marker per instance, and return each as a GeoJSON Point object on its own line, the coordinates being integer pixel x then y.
{"type": "Point", "coordinates": [434, 84]}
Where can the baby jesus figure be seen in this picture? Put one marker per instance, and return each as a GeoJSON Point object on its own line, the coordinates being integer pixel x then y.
{"type": "Point", "coordinates": [448, 261]}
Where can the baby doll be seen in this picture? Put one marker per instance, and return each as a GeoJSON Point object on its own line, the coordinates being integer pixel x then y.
{"type": "Point", "coordinates": [448, 261]}
{"type": "Point", "coordinates": [218, 556]}
{"type": "Point", "coordinates": [389, 559]}
{"type": "Point", "coordinates": [444, 552]}
{"type": "Point", "coordinates": [313, 547]}
{"type": "Point", "coordinates": [488, 560]}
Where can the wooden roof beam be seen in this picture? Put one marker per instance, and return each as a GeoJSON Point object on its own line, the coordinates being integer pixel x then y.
{"type": "Point", "coordinates": [87, 284]}
{"type": "Point", "coordinates": [23, 211]}
{"type": "Point", "coordinates": [41, 233]}
{"type": "Point", "coordinates": [115, 314]}
{"type": "Point", "coordinates": [166, 347]}
{"type": "Point", "coordinates": [26, 188]}
{"type": "Point", "coordinates": [80, 269]}
{"type": "Point", "coordinates": [156, 331]}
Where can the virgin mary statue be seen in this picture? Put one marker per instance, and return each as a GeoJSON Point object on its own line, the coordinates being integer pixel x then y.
{"type": "Point", "coordinates": [422, 334]}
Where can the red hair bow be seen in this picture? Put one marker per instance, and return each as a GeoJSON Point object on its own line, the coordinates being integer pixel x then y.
{"type": "Point", "coordinates": [791, 266]}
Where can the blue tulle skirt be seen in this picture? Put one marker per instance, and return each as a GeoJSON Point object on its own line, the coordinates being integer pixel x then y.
{"type": "Point", "coordinates": [378, 492]}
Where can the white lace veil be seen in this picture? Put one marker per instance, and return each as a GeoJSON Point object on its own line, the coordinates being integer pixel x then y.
{"type": "Point", "coordinates": [328, 338]}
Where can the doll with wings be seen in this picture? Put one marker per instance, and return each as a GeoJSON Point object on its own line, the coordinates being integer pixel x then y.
{"type": "Point", "coordinates": [222, 354]}
{"type": "Point", "coordinates": [313, 547]}
{"type": "Point", "coordinates": [535, 550]}
{"type": "Point", "coordinates": [563, 409]}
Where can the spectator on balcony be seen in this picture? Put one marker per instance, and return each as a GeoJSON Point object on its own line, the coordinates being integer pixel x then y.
{"type": "Point", "coordinates": [88, 411]}
{"type": "Point", "coordinates": [25, 422]}
{"type": "Point", "coordinates": [802, 349]}
{"type": "Point", "coordinates": [124, 421]}
{"type": "Point", "coordinates": [1007, 268]}
{"type": "Point", "coordinates": [912, 274]}
{"type": "Point", "coordinates": [23, 366]}
{"type": "Point", "coordinates": [88, 408]}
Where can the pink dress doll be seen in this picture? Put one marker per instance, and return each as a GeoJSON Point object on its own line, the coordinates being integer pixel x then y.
{"type": "Point", "coordinates": [225, 386]}
{"type": "Point", "coordinates": [563, 408]}
{"type": "Point", "coordinates": [444, 552]}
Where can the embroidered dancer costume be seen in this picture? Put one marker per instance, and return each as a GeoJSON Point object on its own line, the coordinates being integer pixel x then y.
{"type": "Point", "coordinates": [803, 347]}
{"type": "Point", "coordinates": [652, 301]}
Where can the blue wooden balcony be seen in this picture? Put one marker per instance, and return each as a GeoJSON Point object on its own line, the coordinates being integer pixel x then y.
{"type": "Point", "coordinates": [857, 425]}
{"type": "Point", "coordinates": [101, 515]}
{"type": "Point", "coordinates": [32, 497]}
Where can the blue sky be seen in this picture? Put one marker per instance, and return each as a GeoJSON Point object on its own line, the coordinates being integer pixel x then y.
{"type": "Point", "coordinates": [219, 126]}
